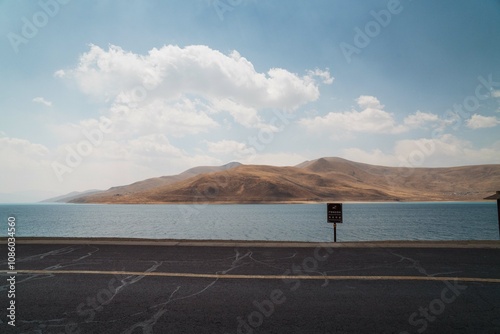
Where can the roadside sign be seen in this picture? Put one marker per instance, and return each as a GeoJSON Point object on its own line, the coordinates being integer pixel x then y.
{"type": "Point", "coordinates": [334, 212]}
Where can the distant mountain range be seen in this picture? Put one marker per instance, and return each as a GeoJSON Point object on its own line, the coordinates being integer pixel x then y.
{"type": "Point", "coordinates": [72, 195]}
{"type": "Point", "coordinates": [321, 180]}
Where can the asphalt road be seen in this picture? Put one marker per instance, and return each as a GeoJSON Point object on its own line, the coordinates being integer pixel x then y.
{"type": "Point", "coordinates": [93, 288]}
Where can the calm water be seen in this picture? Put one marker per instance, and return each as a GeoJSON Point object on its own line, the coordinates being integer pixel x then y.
{"type": "Point", "coordinates": [288, 222]}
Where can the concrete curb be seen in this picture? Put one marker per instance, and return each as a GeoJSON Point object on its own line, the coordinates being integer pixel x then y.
{"type": "Point", "coordinates": [491, 244]}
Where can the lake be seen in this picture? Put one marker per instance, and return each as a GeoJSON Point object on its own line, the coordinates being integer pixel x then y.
{"type": "Point", "coordinates": [279, 222]}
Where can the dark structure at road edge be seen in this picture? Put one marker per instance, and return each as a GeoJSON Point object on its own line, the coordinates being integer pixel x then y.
{"type": "Point", "coordinates": [496, 197]}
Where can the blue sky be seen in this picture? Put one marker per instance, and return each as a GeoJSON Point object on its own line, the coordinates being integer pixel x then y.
{"type": "Point", "coordinates": [95, 94]}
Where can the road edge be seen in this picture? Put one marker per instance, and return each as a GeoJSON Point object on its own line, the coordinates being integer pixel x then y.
{"type": "Point", "coordinates": [492, 244]}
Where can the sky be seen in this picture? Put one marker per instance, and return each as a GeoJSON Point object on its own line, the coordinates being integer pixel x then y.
{"type": "Point", "coordinates": [95, 94]}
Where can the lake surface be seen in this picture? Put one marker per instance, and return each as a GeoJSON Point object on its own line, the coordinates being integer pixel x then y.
{"type": "Point", "coordinates": [280, 222]}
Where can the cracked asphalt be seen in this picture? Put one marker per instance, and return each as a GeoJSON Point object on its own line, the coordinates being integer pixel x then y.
{"type": "Point", "coordinates": [110, 289]}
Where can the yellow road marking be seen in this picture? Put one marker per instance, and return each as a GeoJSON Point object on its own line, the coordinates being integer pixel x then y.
{"type": "Point", "coordinates": [269, 277]}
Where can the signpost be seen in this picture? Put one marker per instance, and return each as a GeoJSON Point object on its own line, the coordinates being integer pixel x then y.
{"type": "Point", "coordinates": [497, 198]}
{"type": "Point", "coordinates": [334, 215]}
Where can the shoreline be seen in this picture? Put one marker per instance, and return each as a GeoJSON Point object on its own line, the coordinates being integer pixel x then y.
{"type": "Point", "coordinates": [263, 203]}
{"type": "Point", "coordinates": [490, 244]}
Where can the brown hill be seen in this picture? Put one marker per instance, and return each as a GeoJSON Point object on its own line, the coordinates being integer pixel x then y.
{"type": "Point", "coordinates": [325, 179]}
{"type": "Point", "coordinates": [114, 194]}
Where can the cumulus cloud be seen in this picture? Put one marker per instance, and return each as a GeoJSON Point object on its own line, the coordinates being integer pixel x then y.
{"type": "Point", "coordinates": [231, 147]}
{"type": "Point", "coordinates": [154, 144]}
{"type": "Point", "coordinates": [371, 118]}
{"type": "Point", "coordinates": [43, 101]}
{"type": "Point", "coordinates": [135, 157]}
{"type": "Point", "coordinates": [26, 161]}
{"type": "Point", "coordinates": [180, 92]}
{"type": "Point", "coordinates": [367, 101]}
{"type": "Point", "coordinates": [276, 159]}
{"type": "Point", "coordinates": [322, 74]}
{"type": "Point", "coordinates": [60, 74]}
{"type": "Point", "coordinates": [446, 150]}
{"type": "Point", "coordinates": [172, 72]}
{"type": "Point", "coordinates": [181, 118]}
{"type": "Point", "coordinates": [479, 122]}
{"type": "Point", "coordinates": [246, 116]}
{"type": "Point", "coordinates": [246, 154]}
{"type": "Point", "coordinates": [373, 157]}
{"type": "Point", "coordinates": [22, 147]}
{"type": "Point", "coordinates": [419, 119]}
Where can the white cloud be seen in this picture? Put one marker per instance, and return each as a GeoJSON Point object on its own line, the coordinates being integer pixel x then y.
{"type": "Point", "coordinates": [43, 101]}
{"type": "Point", "coordinates": [420, 119]}
{"type": "Point", "coordinates": [444, 151]}
{"type": "Point", "coordinates": [231, 147]}
{"type": "Point", "coordinates": [172, 92]}
{"type": "Point", "coordinates": [172, 72]}
{"type": "Point", "coordinates": [60, 74]}
{"type": "Point", "coordinates": [323, 74]}
{"type": "Point", "coordinates": [154, 145]}
{"type": "Point", "coordinates": [370, 119]}
{"type": "Point", "coordinates": [496, 93]}
{"type": "Point", "coordinates": [117, 160]}
{"type": "Point", "coordinates": [367, 101]}
{"type": "Point", "coordinates": [22, 147]}
{"type": "Point", "coordinates": [275, 159]}
{"type": "Point", "coordinates": [246, 116]}
{"type": "Point", "coordinates": [180, 118]}
{"type": "Point", "coordinates": [234, 150]}
{"type": "Point", "coordinates": [373, 157]}
{"type": "Point", "coordinates": [479, 122]}
{"type": "Point", "coordinates": [119, 138]}
{"type": "Point", "coordinates": [175, 92]}
{"type": "Point", "coordinates": [25, 165]}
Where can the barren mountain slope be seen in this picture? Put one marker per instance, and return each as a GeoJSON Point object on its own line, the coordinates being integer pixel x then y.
{"type": "Point", "coordinates": [323, 179]}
